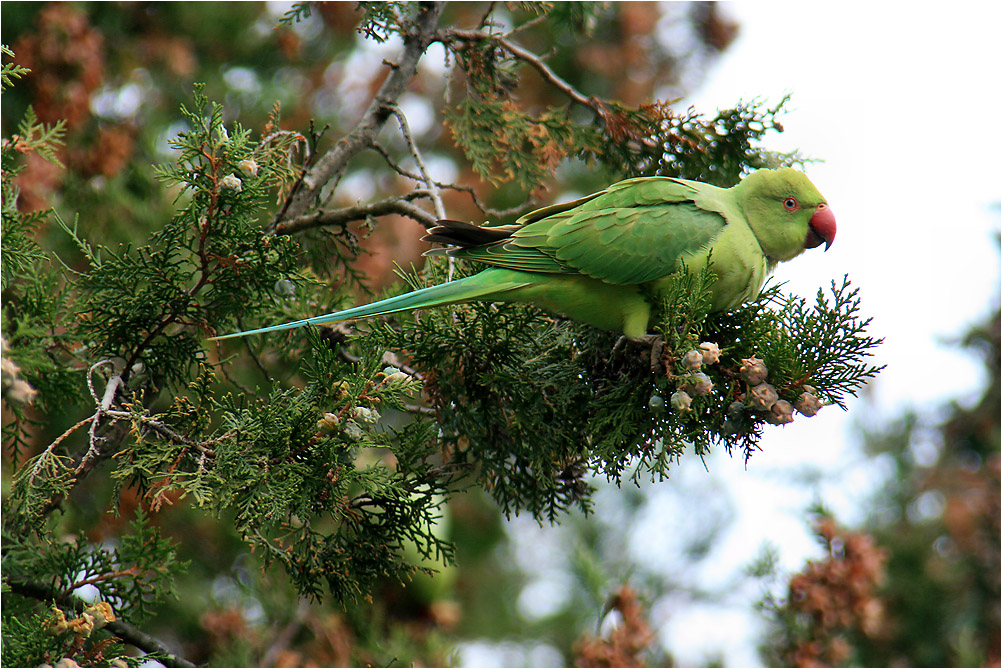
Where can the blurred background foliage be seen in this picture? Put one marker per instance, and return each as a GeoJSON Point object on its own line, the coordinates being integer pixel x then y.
{"type": "Point", "coordinates": [916, 585]}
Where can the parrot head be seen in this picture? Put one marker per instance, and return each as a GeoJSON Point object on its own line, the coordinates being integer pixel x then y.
{"type": "Point", "coordinates": [786, 212]}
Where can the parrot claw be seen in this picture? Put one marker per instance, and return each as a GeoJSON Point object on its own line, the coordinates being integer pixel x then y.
{"type": "Point", "coordinates": [656, 344]}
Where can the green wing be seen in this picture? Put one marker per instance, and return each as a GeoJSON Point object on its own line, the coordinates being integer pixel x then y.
{"type": "Point", "coordinates": [632, 232]}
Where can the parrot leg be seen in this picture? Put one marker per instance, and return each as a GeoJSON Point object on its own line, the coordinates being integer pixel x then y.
{"type": "Point", "coordinates": [655, 344]}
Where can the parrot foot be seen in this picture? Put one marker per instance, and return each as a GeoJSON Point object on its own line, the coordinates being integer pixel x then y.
{"type": "Point", "coordinates": [656, 344]}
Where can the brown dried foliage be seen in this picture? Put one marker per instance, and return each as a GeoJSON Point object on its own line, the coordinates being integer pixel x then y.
{"type": "Point", "coordinates": [66, 56]}
{"type": "Point", "coordinates": [109, 153]}
{"type": "Point", "coordinates": [625, 645]}
{"type": "Point", "coordinates": [837, 597]}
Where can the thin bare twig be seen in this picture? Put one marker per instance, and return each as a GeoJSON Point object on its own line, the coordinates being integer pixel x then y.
{"type": "Point", "coordinates": [165, 431]}
{"type": "Point", "coordinates": [103, 405]}
{"type": "Point", "coordinates": [436, 196]}
{"type": "Point", "coordinates": [457, 34]}
{"type": "Point", "coordinates": [397, 167]}
{"type": "Point", "coordinates": [487, 14]}
{"type": "Point", "coordinates": [432, 185]}
{"type": "Point", "coordinates": [490, 211]}
{"type": "Point", "coordinates": [100, 578]}
{"type": "Point", "coordinates": [424, 411]}
{"type": "Point", "coordinates": [470, 190]}
{"type": "Point", "coordinates": [51, 447]}
{"type": "Point", "coordinates": [345, 215]}
{"type": "Point", "coordinates": [250, 349]}
{"type": "Point", "coordinates": [528, 24]}
{"type": "Point", "coordinates": [236, 383]}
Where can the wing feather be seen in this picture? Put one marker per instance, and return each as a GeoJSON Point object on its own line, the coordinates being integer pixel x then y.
{"type": "Point", "coordinates": [632, 232]}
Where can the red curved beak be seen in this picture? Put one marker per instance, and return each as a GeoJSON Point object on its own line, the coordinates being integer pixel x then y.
{"type": "Point", "coordinates": [822, 228]}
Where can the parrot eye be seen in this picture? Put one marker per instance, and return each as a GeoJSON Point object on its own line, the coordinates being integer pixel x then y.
{"type": "Point", "coordinates": [790, 203]}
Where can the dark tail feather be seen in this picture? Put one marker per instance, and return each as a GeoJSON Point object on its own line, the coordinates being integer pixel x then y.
{"type": "Point", "coordinates": [466, 235]}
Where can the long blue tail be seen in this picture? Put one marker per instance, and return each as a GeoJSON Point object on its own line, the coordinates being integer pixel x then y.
{"type": "Point", "coordinates": [488, 283]}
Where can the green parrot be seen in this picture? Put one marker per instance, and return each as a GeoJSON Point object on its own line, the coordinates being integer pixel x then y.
{"type": "Point", "coordinates": [600, 258]}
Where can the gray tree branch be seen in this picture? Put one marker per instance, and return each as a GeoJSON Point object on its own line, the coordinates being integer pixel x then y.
{"type": "Point", "coordinates": [339, 218]}
{"type": "Point", "coordinates": [332, 164]}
